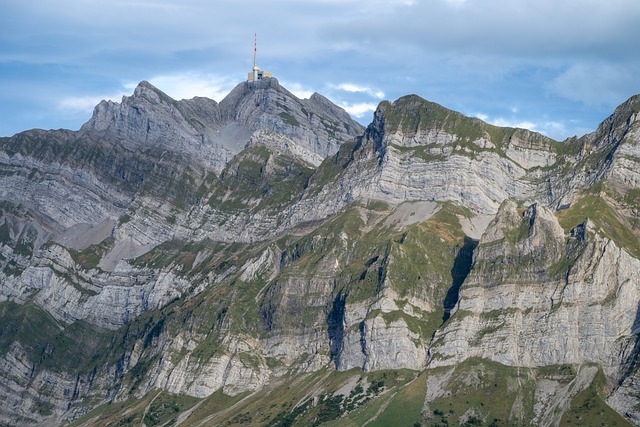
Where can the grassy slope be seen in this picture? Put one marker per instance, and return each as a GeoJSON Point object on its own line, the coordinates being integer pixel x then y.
{"type": "Point", "coordinates": [480, 393]}
{"type": "Point", "coordinates": [608, 221]}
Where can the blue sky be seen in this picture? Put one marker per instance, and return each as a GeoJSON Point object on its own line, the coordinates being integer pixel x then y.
{"type": "Point", "coordinates": [555, 66]}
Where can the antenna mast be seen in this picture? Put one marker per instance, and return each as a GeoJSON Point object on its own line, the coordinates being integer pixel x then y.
{"type": "Point", "coordinates": [255, 49]}
{"type": "Point", "coordinates": [256, 73]}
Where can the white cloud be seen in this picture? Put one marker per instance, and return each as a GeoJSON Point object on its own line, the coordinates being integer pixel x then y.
{"type": "Point", "coordinates": [298, 90]}
{"type": "Point", "coordinates": [553, 129]}
{"type": "Point", "coordinates": [359, 109]}
{"type": "Point", "coordinates": [504, 122]}
{"type": "Point", "coordinates": [80, 105]}
{"type": "Point", "coordinates": [510, 123]}
{"type": "Point", "coordinates": [353, 88]}
{"type": "Point", "coordinates": [189, 85]}
{"type": "Point", "coordinates": [177, 86]}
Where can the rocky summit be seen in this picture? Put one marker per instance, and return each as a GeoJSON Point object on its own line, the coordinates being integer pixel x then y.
{"type": "Point", "coordinates": [268, 261]}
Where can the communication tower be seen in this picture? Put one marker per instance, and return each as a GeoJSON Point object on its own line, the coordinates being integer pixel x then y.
{"type": "Point", "coordinates": [257, 74]}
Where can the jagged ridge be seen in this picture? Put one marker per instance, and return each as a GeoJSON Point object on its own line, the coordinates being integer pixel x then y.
{"type": "Point", "coordinates": [206, 274]}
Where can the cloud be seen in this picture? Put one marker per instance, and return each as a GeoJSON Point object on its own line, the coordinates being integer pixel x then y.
{"type": "Point", "coordinates": [523, 124]}
{"type": "Point", "coordinates": [504, 122]}
{"type": "Point", "coordinates": [189, 85]}
{"type": "Point", "coordinates": [597, 84]}
{"type": "Point", "coordinates": [298, 89]}
{"type": "Point", "coordinates": [81, 103]}
{"type": "Point", "coordinates": [354, 88]}
{"type": "Point", "coordinates": [556, 130]}
{"type": "Point", "coordinates": [521, 29]}
{"type": "Point", "coordinates": [553, 129]}
{"type": "Point", "coordinates": [177, 86]}
{"type": "Point", "coordinates": [359, 109]}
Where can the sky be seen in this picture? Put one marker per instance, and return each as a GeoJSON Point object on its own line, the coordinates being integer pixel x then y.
{"type": "Point", "coordinates": [559, 67]}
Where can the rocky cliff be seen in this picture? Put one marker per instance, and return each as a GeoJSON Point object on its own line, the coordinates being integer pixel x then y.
{"type": "Point", "coordinates": [172, 253]}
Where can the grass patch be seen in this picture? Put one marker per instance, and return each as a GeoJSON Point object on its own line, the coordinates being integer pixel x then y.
{"type": "Point", "coordinates": [74, 348]}
{"type": "Point", "coordinates": [289, 119]}
{"type": "Point", "coordinates": [589, 408]}
{"type": "Point", "coordinates": [608, 221]}
{"type": "Point", "coordinates": [116, 414]}
{"type": "Point", "coordinates": [405, 406]}
{"type": "Point", "coordinates": [90, 257]}
{"type": "Point", "coordinates": [485, 391]}
{"type": "Point", "coordinates": [166, 407]}
{"type": "Point", "coordinates": [258, 180]}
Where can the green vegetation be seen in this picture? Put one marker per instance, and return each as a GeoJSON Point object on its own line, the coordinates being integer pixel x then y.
{"type": "Point", "coordinates": [124, 219]}
{"type": "Point", "coordinates": [632, 199]}
{"type": "Point", "coordinates": [589, 408]}
{"type": "Point", "coordinates": [90, 257]}
{"type": "Point", "coordinates": [256, 180]}
{"type": "Point", "coordinates": [610, 224]}
{"type": "Point", "coordinates": [485, 391]}
{"type": "Point", "coordinates": [404, 407]}
{"type": "Point", "coordinates": [478, 393]}
{"type": "Point", "coordinates": [378, 205]}
{"type": "Point", "coordinates": [423, 152]}
{"type": "Point", "coordinates": [165, 408]}
{"type": "Point", "coordinates": [74, 348]}
{"type": "Point", "coordinates": [332, 167]}
{"type": "Point", "coordinates": [417, 261]}
{"type": "Point", "coordinates": [117, 414]}
{"type": "Point", "coordinates": [412, 114]}
{"type": "Point", "coordinates": [289, 119]}
{"type": "Point", "coordinates": [520, 232]}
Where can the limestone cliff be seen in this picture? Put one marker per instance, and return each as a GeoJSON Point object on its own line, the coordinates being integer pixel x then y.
{"type": "Point", "coordinates": [219, 250]}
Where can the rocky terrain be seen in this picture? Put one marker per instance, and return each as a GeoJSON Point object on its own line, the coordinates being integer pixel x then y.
{"type": "Point", "coordinates": [266, 260]}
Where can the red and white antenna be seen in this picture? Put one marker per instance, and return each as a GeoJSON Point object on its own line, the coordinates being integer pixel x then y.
{"type": "Point", "coordinates": [255, 49]}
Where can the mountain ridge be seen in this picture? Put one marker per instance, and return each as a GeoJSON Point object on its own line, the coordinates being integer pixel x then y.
{"type": "Point", "coordinates": [425, 242]}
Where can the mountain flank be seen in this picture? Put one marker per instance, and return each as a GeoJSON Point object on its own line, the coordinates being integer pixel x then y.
{"type": "Point", "coordinates": [268, 261]}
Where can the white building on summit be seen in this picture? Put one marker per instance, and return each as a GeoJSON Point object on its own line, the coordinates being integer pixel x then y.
{"type": "Point", "coordinates": [257, 73]}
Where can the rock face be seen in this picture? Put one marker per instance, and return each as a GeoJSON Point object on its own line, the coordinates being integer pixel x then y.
{"type": "Point", "coordinates": [417, 150]}
{"type": "Point", "coordinates": [198, 247]}
{"type": "Point", "coordinates": [214, 133]}
{"type": "Point", "coordinates": [536, 298]}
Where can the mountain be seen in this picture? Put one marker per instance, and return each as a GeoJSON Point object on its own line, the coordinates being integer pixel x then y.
{"type": "Point", "coordinates": [266, 260]}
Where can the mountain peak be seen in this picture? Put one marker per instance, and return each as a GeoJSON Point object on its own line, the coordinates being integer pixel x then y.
{"type": "Point", "coordinates": [144, 84]}
{"type": "Point", "coordinates": [151, 93]}
{"type": "Point", "coordinates": [627, 110]}
{"type": "Point", "coordinates": [317, 125]}
{"type": "Point", "coordinates": [613, 129]}
{"type": "Point", "coordinates": [412, 114]}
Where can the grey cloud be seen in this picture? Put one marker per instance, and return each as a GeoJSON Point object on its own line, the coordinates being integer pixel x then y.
{"type": "Point", "coordinates": [597, 83]}
{"type": "Point", "coordinates": [517, 28]}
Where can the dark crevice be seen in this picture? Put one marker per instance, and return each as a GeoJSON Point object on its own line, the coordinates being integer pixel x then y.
{"type": "Point", "coordinates": [459, 272]}
{"type": "Point", "coordinates": [631, 356]}
{"type": "Point", "coordinates": [335, 326]}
